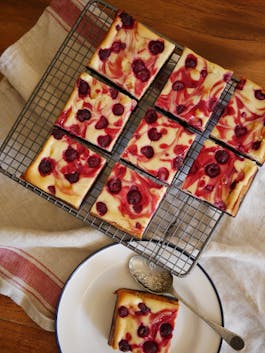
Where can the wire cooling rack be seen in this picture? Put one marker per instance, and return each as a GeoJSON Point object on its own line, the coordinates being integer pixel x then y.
{"type": "Point", "coordinates": [181, 222]}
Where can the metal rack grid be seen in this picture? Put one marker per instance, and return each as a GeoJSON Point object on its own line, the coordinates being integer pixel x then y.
{"type": "Point", "coordinates": [183, 225]}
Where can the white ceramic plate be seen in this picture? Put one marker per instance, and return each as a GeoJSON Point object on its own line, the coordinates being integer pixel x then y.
{"type": "Point", "coordinates": [86, 306]}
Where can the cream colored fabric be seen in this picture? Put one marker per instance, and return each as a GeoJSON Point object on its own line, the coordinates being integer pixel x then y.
{"type": "Point", "coordinates": [235, 258]}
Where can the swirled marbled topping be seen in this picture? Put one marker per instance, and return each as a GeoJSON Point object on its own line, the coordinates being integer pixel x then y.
{"type": "Point", "coordinates": [96, 112]}
{"type": "Point", "coordinates": [143, 322]}
{"type": "Point", "coordinates": [131, 55]}
{"type": "Point", "coordinates": [220, 177]}
{"type": "Point", "coordinates": [128, 200]}
{"type": "Point", "coordinates": [242, 124]}
{"type": "Point", "coordinates": [193, 89]}
{"type": "Point", "coordinates": [158, 146]}
{"type": "Point", "coordinates": [65, 168]}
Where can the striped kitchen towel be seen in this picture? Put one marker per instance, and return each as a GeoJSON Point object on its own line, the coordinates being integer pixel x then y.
{"type": "Point", "coordinates": [40, 244]}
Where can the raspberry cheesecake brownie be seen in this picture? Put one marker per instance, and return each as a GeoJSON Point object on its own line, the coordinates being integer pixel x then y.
{"type": "Point", "coordinates": [64, 168]}
{"type": "Point", "coordinates": [128, 200]}
{"type": "Point", "coordinates": [220, 177]}
{"type": "Point", "coordinates": [142, 322]}
{"type": "Point", "coordinates": [193, 89]}
{"type": "Point", "coordinates": [96, 112]}
{"type": "Point", "coordinates": [131, 55]}
{"type": "Point", "coordinates": [158, 146]}
{"type": "Point", "coordinates": [242, 125]}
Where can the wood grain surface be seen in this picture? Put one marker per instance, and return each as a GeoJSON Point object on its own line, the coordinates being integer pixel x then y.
{"type": "Point", "coordinates": [230, 33]}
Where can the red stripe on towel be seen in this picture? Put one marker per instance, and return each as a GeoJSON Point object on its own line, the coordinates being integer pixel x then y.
{"type": "Point", "coordinates": [30, 274]}
{"type": "Point", "coordinates": [47, 270]}
{"type": "Point", "coordinates": [68, 11]}
{"type": "Point", "coordinates": [29, 292]}
{"type": "Point", "coordinates": [91, 28]}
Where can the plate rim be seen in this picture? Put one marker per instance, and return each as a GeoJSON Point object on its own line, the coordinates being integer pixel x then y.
{"type": "Point", "coordinates": [94, 253]}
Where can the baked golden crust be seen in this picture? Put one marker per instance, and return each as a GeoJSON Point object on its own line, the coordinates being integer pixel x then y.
{"type": "Point", "coordinates": [64, 168]}
{"type": "Point", "coordinates": [241, 125]}
{"type": "Point", "coordinates": [131, 55]}
{"type": "Point", "coordinates": [193, 89]}
{"type": "Point", "coordinates": [135, 308]}
{"type": "Point", "coordinates": [128, 200]}
{"type": "Point", "coordinates": [158, 146]}
{"type": "Point", "coordinates": [220, 177]}
{"type": "Point", "coordinates": [96, 112]}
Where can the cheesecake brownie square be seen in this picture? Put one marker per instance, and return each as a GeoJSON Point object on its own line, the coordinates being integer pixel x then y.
{"type": "Point", "coordinates": [128, 200]}
{"type": "Point", "coordinates": [242, 124]}
{"type": "Point", "coordinates": [220, 177]}
{"type": "Point", "coordinates": [142, 322]}
{"type": "Point", "coordinates": [64, 168]}
{"type": "Point", "coordinates": [158, 146]}
{"type": "Point", "coordinates": [131, 55]}
{"type": "Point", "coordinates": [193, 89]}
{"type": "Point", "coordinates": [96, 112]}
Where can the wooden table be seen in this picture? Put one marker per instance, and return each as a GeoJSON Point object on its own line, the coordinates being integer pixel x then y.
{"type": "Point", "coordinates": [230, 33]}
